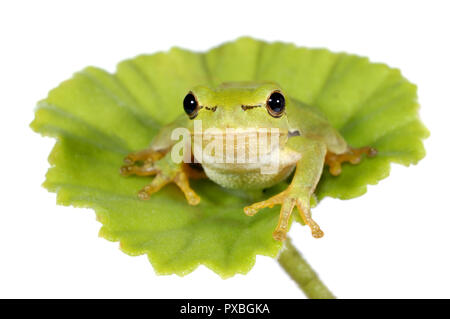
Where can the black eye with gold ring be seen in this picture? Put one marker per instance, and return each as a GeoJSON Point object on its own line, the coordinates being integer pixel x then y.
{"type": "Point", "coordinates": [276, 104]}
{"type": "Point", "coordinates": [190, 105]}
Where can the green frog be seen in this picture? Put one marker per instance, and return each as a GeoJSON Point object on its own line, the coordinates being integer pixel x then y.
{"type": "Point", "coordinates": [303, 140]}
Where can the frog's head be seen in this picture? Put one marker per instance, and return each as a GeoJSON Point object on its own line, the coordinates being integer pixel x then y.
{"type": "Point", "coordinates": [238, 110]}
{"type": "Point", "coordinates": [243, 105]}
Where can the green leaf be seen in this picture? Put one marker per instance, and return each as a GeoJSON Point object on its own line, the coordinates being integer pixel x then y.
{"type": "Point", "coordinates": [99, 117]}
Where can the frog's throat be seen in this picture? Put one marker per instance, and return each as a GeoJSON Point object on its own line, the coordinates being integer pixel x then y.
{"type": "Point", "coordinates": [237, 146]}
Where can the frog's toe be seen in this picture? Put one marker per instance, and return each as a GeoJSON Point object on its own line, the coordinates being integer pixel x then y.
{"type": "Point", "coordinates": [147, 156]}
{"type": "Point", "coordinates": [125, 170]}
{"type": "Point", "coordinates": [305, 213]}
{"type": "Point", "coordinates": [250, 211]}
{"type": "Point", "coordinates": [353, 156]}
{"type": "Point", "coordinates": [157, 183]}
{"type": "Point", "coordinates": [254, 208]}
{"type": "Point", "coordinates": [182, 182]}
{"type": "Point", "coordinates": [131, 158]}
{"type": "Point", "coordinates": [287, 206]}
{"type": "Point", "coordinates": [279, 235]}
{"type": "Point", "coordinates": [160, 180]}
{"type": "Point", "coordinates": [270, 202]}
{"type": "Point", "coordinates": [143, 195]}
{"type": "Point", "coordinates": [143, 170]}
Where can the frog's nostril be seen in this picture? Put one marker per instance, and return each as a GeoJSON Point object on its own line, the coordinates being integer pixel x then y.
{"type": "Point", "coordinates": [248, 107]}
{"type": "Point", "coordinates": [214, 108]}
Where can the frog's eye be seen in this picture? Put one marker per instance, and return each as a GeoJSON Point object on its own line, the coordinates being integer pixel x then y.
{"type": "Point", "coordinates": [275, 104]}
{"type": "Point", "coordinates": [190, 105]}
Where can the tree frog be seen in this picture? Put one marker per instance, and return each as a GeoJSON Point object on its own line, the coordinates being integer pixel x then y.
{"type": "Point", "coordinates": [306, 141]}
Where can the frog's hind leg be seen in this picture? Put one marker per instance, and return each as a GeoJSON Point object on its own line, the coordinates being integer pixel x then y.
{"type": "Point", "coordinates": [352, 155]}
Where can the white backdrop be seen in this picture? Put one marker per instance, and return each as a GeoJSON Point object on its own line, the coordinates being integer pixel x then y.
{"type": "Point", "coordinates": [392, 242]}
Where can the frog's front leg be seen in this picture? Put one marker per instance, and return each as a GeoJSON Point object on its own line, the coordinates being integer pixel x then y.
{"type": "Point", "coordinates": [165, 171]}
{"type": "Point", "coordinates": [298, 194]}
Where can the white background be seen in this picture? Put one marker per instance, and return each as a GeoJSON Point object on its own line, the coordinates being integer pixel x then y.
{"type": "Point", "coordinates": [391, 243]}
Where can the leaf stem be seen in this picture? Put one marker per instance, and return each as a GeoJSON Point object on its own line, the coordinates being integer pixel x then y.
{"type": "Point", "coordinates": [301, 272]}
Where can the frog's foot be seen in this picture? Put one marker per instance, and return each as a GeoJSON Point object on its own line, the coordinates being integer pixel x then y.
{"type": "Point", "coordinates": [353, 156]}
{"type": "Point", "coordinates": [161, 179]}
{"type": "Point", "coordinates": [141, 163]}
{"type": "Point", "coordinates": [147, 156]}
{"type": "Point", "coordinates": [287, 202]}
{"type": "Point", "coordinates": [164, 175]}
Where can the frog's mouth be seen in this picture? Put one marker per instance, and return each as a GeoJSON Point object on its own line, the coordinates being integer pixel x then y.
{"type": "Point", "coordinates": [238, 146]}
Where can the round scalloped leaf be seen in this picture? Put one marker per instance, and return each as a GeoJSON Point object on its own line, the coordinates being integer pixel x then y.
{"type": "Point", "coordinates": [99, 117]}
